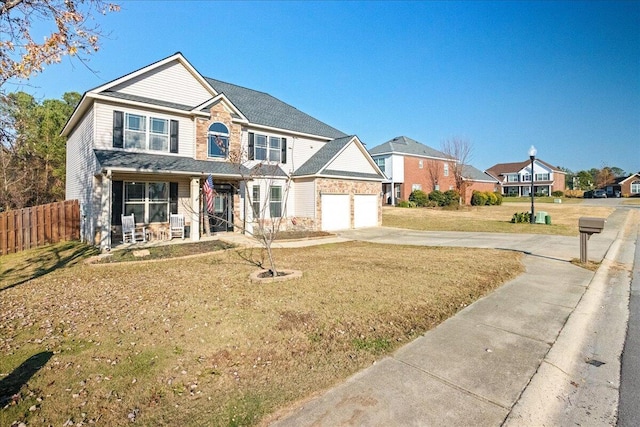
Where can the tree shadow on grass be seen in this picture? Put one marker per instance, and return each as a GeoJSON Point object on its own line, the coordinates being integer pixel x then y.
{"type": "Point", "coordinates": [44, 261]}
{"type": "Point", "coordinates": [11, 384]}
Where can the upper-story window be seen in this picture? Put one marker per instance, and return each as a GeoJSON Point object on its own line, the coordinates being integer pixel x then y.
{"type": "Point", "coordinates": [380, 162]}
{"type": "Point", "coordinates": [218, 140]}
{"type": "Point", "coordinates": [446, 169]}
{"type": "Point", "coordinates": [512, 177]}
{"type": "Point", "coordinates": [526, 178]}
{"type": "Point", "coordinates": [269, 148]}
{"type": "Point", "coordinates": [542, 177]}
{"type": "Point", "coordinates": [420, 164]}
{"type": "Point", "coordinates": [142, 132]}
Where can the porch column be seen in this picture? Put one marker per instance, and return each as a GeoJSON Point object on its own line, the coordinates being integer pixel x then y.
{"type": "Point", "coordinates": [105, 217]}
{"type": "Point", "coordinates": [393, 193]}
{"type": "Point", "coordinates": [195, 209]}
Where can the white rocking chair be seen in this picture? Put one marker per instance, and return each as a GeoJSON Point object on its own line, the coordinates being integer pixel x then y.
{"type": "Point", "coordinates": [176, 226]}
{"type": "Point", "coordinates": [131, 233]}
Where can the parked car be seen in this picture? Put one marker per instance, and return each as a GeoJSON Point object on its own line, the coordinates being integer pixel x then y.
{"type": "Point", "coordinates": [599, 194]}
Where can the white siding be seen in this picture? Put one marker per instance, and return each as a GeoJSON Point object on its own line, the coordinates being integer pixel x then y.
{"type": "Point", "coordinates": [396, 168]}
{"type": "Point", "coordinates": [104, 127]}
{"type": "Point", "coordinates": [302, 150]}
{"type": "Point", "coordinates": [81, 166]}
{"type": "Point", "coordinates": [353, 160]}
{"type": "Point", "coordinates": [305, 199]}
{"type": "Point", "coordinates": [171, 82]}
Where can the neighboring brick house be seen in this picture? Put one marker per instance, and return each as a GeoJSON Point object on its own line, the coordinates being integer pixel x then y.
{"type": "Point", "coordinates": [410, 165]}
{"type": "Point", "coordinates": [626, 186]}
{"type": "Point", "coordinates": [515, 178]}
{"type": "Point", "coordinates": [146, 142]}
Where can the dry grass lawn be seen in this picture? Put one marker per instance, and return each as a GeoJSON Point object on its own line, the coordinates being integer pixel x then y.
{"type": "Point", "coordinates": [564, 218]}
{"type": "Point", "coordinates": [194, 342]}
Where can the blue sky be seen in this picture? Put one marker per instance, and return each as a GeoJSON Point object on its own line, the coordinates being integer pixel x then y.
{"type": "Point", "coordinates": [563, 76]}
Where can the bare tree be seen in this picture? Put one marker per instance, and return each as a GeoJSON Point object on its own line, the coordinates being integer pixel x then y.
{"type": "Point", "coordinates": [434, 172]}
{"type": "Point", "coordinates": [459, 151]}
{"type": "Point", "coordinates": [604, 177]}
{"type": "Point", "coordinates": [267, 208]}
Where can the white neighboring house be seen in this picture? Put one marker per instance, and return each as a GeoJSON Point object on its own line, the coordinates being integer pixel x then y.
{"type": "Point", "coordinates": [515, 178]}
{"type": "Point", "coordinates": [146, 142]}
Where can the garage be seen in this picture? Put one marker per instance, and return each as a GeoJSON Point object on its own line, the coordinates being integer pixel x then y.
{"type": "Point", "coordinates": [365, 210]}
{"type": "Point", "coordinates": [336, 212]}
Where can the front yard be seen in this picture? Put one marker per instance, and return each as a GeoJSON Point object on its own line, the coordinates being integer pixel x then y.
{"type": "Point", "coordinates": [193, 342]}
{"type": "Point", "coordinates": [564, 218]}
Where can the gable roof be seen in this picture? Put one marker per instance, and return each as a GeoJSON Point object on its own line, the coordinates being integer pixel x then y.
{"type": "Point", "coordinates": [507, 168]}
{"type": "Point", "coordinates": [317, 164]}
{"type": "Point", "coordinates": [622, 179]}
{"type": "Point", "coordinates": [258, 108]}
{"type": "Point", "coordinates": [405, 145]}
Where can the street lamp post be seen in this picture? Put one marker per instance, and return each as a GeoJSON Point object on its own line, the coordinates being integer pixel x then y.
{"type": "Point", "coordinates": [532, 156]}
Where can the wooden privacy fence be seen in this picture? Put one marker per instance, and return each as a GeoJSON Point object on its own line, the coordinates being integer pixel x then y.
{"type": "Point", "coordinates": [28, 228]}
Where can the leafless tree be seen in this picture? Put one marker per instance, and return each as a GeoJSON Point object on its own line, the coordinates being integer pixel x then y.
{"type": "Point", "coordinates": [265, 217]}
{"type": "Point", "coordinates": [459, 151]}
{"type": "Point", "coordinates": [434, 172]}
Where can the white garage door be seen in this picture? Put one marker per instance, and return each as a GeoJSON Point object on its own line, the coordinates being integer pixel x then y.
{"type": "Point", "coordinates": [336, 212]}
{"type": "Point", "coordinates": [365, 210]}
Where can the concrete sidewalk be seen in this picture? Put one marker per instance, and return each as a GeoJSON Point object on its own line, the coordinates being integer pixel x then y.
{"type": "Point", "coordinates": [473, 368]}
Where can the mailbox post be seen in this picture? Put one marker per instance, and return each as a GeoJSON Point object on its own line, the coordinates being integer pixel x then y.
{"type": "Point", "coordinates": [588, 226]}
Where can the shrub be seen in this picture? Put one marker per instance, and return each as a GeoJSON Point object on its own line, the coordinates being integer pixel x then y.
{"type": "Point", "coordinates": [438, 197]}
{"type": "Point", "coordinates": [498, 198]}
{"type": "Point", "coordinates": [419, 197]}
{"type": "Point", "coordinates": [451, 198]}
{"type": "Point", "coordinates": [521, 217]}
{"type": "Point", "coordinates": [557, 193]}
{"type": "Point", "coordinates": [574, 193]}
{"type": "Point", "coordinates": [432, 204]}
{"type": "Point", "coordinates": [492, 199]}
{"type": "Point", "coordinates": [479, 198]}
{"type": "Point", "coordinates": [403, 204]}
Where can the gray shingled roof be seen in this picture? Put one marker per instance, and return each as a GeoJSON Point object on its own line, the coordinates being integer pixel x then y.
{"type": "Point", "coordinates": [266, 169]}
{"type": "Point", "coordinates": [263, 109]}
{"type": "Point", "coordinates": [164, 163]}
{"type": "Point", "coordinates": [405, 145]}
{"type": "Point", "coordinates": [146, 100]}
{"type": "Point", "coordinates": [474, 174]}
{"type": "Point", "coordinates": [322, 156]}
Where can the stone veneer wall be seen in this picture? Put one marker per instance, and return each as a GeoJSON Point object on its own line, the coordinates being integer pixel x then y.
{"type": "Point", "coordinates": [344, 186]}
{"type": "Point", "coordinates": [218, 114]}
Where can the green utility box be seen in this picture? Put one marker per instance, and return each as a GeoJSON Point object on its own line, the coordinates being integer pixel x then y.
{"type": "Point", "coordinates": [547, 219]}
{"type": "Point", "coordinates": [540, 217]}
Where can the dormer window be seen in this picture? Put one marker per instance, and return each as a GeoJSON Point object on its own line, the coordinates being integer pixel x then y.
{"type": "Point", "coordinates": [218, 140]}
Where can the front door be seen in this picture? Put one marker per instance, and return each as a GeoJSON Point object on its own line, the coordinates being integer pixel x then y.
{"type": "Point", "coordinates": [222, 218]}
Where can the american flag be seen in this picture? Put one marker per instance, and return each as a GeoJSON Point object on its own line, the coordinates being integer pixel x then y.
{"type": "Point", "coordinates": [209, 194]}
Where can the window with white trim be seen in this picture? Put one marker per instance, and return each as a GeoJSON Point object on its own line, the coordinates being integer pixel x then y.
{"type": "Point", "coordinates": [218, 136]}
{"type": "Point", "coordinates": [138, 135]}
{"type": "Point", "coordinates": [420, 164]}
{"type": "Point", "coordinates": [635, 187]}
{"type": "Point", "coordinates": [267, 148]}
{"type": "Point", "coordinates": [446, 169]}
{"type": "Point", "coordinates": [542, 177]}
{"type": "Point", "coordinates": [148, 201]}
{"type": "Point", "coordinates": [275, 201]}
{"type": "Point", "coordinates": [415, 187]}
{"type": "Point", "coordinates": [512, 177]}
{"type": "Point", "coordinates": [255, 201]}
{"type": "Point", "coordinates": [380, 161]}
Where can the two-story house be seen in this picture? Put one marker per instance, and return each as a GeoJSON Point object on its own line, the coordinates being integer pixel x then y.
{"type": "Point", "coordinates": [515, 178]}
{"type": "Point", "coordinates": [146, 142]}
{"type": "Point", "coordinates": [409, 165]}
